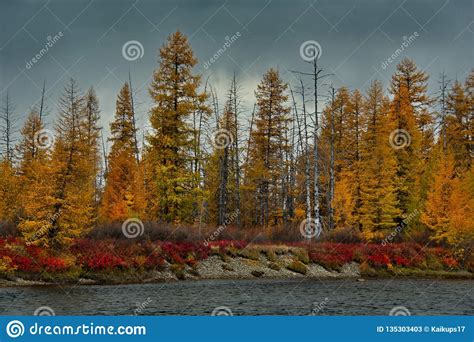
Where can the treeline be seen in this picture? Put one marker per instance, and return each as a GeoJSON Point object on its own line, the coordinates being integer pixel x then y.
{"type": "Point", "coordinates": [375, 163]}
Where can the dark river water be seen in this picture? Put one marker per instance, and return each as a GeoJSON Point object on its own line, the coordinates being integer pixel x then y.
{"type": "Point", "coordinates": [247, 297]}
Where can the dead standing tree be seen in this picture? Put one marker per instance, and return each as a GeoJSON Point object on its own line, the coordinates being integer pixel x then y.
{"type": "Point", "coordinates": [236, 110]}
{"type": "Point", "coordinates": [8, 129]}
{"type": "Point", "coordinates": [311, 52]}
{"type": "Point", "coordinates": [330, 195]}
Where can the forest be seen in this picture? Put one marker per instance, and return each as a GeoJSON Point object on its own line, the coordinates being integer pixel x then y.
{"type": "Point", "coordinates": [373, 165]}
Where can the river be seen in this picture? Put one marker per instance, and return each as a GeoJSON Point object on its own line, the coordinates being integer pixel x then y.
{"type": "Point", "coordinates": [247, 297]}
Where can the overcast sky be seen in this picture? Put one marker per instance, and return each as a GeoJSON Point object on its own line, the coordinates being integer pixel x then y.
{"type": "Point", "coordinates": [356, 38]}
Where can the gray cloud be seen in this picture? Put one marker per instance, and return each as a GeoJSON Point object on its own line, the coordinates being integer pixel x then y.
{"type": "Point", "coordinates": [356, 37]}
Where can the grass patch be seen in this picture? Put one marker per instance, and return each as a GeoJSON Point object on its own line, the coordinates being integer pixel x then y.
{"type": "Point", "coordinates": [297, 267]}
{"type": "Point", "coordinates": [271, 255]}
{"type": "Point", "coordinates": [250, 253]}
{"type": "Point", "coordinates": [301, 254]}
{"type": "Point", "coordinates": [274, 266]}
{"type": "Point", "coordinates": [178, 270]}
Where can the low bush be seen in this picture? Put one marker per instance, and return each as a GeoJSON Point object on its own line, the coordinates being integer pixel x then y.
{"type": "Point", "coordinates": [250, 253]}
{"type": "Point", "coordinates": [271, 255]}
{"type": "Point", "coordinates": [297, 267]}
{"type": "Point", "coordinates": [274, 266]}
{"type": "Point", "coordinates": [128, 256]}
{"type": "Point", "coordinates": [301, 254]}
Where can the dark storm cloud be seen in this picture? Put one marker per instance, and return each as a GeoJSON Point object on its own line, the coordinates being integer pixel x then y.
{"type": "Point", "coordinates": [356, 38]}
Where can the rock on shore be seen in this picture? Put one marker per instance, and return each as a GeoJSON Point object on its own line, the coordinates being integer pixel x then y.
{"type": "Point", "coordinates": [242, 268]}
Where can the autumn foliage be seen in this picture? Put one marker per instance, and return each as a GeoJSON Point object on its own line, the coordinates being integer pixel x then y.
{"type": "Point", "coordinates": [386, 166]}
{"type": "Point", "coordinates": [122, 256]}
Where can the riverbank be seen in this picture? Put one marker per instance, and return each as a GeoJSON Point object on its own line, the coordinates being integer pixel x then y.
{"type": "Point", "coordinates": [119, 261]}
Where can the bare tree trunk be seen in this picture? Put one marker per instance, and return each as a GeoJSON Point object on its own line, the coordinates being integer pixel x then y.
{"type": "Point", "coordinates": [223, 176]}
{"type": "Point", "coordinates": [199, 169]}
{"type": "Point", "coordinates": [249, 141]}
{"type": "Point", "coordinates": [316, 145]}
{"type": "Point", "coordinates": [135, 140]}
{"type": "Point", "coordinates": [285, 178]}
{"type": "Point", "coordinates": [104, 152]}
{"type": "Point", "coordinates": [443, 88]}
{"type": "Point", "coordinates": [307, 161]}
{"type": "Point", "coordinates": [237, 154]}
{"type": "Point", "coordinates": [42, 102]}
{"type": "Point", "coordinates": [8, 128]}
{"type": "Point", "coordinates": [331, 165]}
{"type": "Point", "coordinates": [252, 118]}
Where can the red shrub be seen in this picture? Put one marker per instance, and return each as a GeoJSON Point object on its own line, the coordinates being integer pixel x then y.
{"type": "Point", "coordinates": [378, 260]}
{"type": "Point", "coordinates": [331, 255]}
{"type": "Point", "coordinates": [53, 264]}
{"type": "Point", "coordinates": [402, 261]}
{"type": "Point", "coordinates": [450, 262]}
{"type": "Point", "coordinates": [104, 261]}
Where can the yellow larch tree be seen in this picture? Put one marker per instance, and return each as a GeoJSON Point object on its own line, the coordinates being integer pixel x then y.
{"type": "Point", "coordinates": [74, 195]}
{"type": "Point", "coordinates": [35, 180]}
{"type": "Point", "coordinates": [378, 167]}
{"type": "Point", "coordinates": [408, 111]}
{"type": "Point", "coordinates": [176, 96]}
{"type": "Point", "coordinates": [122, 194]}
{"type": "Point", "coordinates": [265, 165]}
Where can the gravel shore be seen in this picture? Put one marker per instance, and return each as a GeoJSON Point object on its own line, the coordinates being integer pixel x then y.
{"type": "Point", "coordinates": [241, 268]}
{"type": "Point", "coordinates": [216, 268]}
